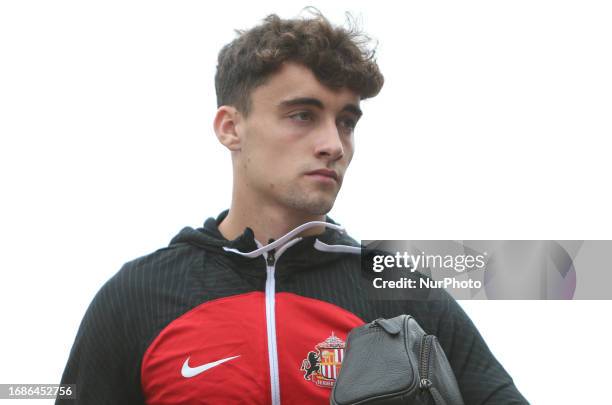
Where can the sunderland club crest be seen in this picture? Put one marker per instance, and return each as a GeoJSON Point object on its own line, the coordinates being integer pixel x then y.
{"type": "Point", "coordinates": [322, 365]}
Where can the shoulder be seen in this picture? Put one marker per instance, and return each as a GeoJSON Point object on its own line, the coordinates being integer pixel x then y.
{"type": "Point", "coordinates": [143, 280]}
{"type": "Point", "coordinates": [171, 261]}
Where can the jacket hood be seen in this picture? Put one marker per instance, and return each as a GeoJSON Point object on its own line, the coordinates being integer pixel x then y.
{"type": "Point", "coordinates": [332, 244]}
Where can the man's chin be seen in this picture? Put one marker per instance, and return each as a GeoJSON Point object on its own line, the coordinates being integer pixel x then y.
{"type": "Point", "coordinates": [313, 207]}
{"type": "Point", "coordinates": [321, 207]}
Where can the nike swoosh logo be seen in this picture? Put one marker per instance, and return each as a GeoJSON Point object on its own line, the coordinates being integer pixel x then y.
{"type": "Point", "coordinates": [189, 372]}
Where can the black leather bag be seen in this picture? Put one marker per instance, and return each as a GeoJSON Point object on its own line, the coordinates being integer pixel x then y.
{"type": "Point", "coordinates": [393, 361]}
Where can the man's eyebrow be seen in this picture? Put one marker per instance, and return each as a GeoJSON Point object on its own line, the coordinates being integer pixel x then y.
{"type": "Point", "coordinates": [315, 102]}
{"type": "Point", "coordinates": [302, 101]}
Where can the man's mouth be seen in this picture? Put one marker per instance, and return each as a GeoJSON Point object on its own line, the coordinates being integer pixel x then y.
{"type": "Point", "coordinates": [324, 174]}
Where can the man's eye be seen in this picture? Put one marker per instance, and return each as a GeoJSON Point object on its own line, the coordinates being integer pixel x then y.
{"type": "Point", "coordinates": [301, 116]}
{"type": "Point", "coordinates": [348, 123]}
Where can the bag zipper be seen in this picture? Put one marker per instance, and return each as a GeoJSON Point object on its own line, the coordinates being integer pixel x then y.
{"type": "Point", "coordinates": [425, 382]}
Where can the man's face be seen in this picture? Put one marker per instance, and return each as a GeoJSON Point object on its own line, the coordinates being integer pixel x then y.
{"type": "Point", "coordinates": [297, 141]}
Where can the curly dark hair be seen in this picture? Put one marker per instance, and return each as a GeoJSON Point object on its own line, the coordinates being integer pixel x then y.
{"type": "Point", "coordinates": [338, 57]}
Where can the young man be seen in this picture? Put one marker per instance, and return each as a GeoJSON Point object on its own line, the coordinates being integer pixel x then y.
{"type": "Point", "coordinates": [255, 306]}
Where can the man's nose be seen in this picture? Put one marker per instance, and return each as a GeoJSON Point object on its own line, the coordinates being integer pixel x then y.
{"type": "Point", "coordinates": [329, 144]}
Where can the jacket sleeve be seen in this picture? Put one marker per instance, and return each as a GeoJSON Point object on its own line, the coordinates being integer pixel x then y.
{"type": "Point", "coordinates": [103, 362]}
{"type": "Point", "coordinates": [482, 379]}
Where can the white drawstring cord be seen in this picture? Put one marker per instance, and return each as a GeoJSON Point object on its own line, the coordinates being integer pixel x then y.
{"type": "Point", "coordinates": [324, 247]}
{"type": "Point", "coordinates": [284, 240]}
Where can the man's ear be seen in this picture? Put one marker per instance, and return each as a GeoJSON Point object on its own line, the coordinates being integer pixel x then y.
{"type": "Point", "coordinates": [225, 123]}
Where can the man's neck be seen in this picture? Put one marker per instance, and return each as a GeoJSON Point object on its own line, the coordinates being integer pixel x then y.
{"type": "Point", "coordinates": [267, 222]}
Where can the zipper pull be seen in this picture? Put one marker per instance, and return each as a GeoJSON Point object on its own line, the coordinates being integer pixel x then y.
{"type": "Point", "coordinates": [425, 383]}
{"type": "Point", "coordinates": [271, 259]}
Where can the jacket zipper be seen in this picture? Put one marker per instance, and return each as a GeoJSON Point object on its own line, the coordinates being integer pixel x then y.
{"type": "Point", "coordinates": [271, 327]}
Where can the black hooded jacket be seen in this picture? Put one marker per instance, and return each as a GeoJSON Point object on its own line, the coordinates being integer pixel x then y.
{"type": "Point", "coordinates": [211, 321]}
